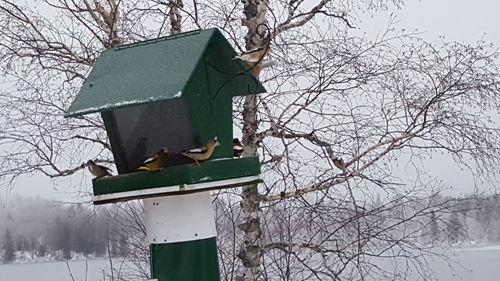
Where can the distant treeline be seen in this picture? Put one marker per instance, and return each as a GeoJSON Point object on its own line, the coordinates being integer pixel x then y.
{"type": "Point", "coordinates": [40, 228]}
{"type": "Point", "coordinates": [471, 220]}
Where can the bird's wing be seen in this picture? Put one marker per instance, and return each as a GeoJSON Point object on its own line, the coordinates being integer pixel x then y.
{"type": "Point", "coordinates": [251, 56]}
{"type": "Point", "coordinates": [255, 50]}
{"type": "Point", "coordinates": [198, 150]}
{"type": "Point", "coordinates": [150, 159]}
{"type": "Point", "coordinates": [267, 63]}
{"type": "Point", "coordinates": [104, 167]}
{"type": "Point", "coordinates": [247, 58]}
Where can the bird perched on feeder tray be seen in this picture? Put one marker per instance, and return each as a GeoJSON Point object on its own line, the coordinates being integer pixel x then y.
{"type": "Point", "coordinates": [255, 59]}
{"type": "Point", "coordinates": [155, 162]}
{"type": "Point", "coordinates": [97, 170]}
{"type": "Point", "coordinates": [238, 148]}
{"type": "Point", "coordinates": [202, 153]}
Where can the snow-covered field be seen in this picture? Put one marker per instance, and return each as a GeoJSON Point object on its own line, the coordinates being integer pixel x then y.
{"type": "Point", "coordinates": [56, 271]}
{"type": "Point", "coordinates": [474, 263]}
{"type": "Point", "coordinates": [77, 270]}
{"type": "Point", "coordinates": [480, 263]}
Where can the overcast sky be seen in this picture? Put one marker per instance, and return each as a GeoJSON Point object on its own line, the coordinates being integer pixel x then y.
{"type": "Point", "coordinates": [448, 20]}
{"type": "Point", "coordinates": [457, 20]}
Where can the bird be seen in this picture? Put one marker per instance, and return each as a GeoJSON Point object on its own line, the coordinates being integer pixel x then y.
{"type": "Point", "coordinates": [253, 55]}
{"type": "Point", "coordinates": [339, 163]}
{"type": "Point", "coordinates": [238, 148]}
{"type": "Point", "coordinates": [97, 170]}
{"type": "Point", "coordinates": [155, 162]}
{"type": "Point", "coordinates": [202, 153]}
{"type": "Point", "coordinates": [255, 59]}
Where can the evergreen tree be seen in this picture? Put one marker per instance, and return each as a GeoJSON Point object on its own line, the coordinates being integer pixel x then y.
{"type": "Point", "coordinates": [22, 244]}
{"type": "Point", "coordinates": [493, 234]}
{"type": "Point", "coordinates": [100, 243]}
{"type": "Point", "coordinates": [123, 245]}
{"type": "Point", "coordinates": [454, 228]}
{"type": "Point", "coordinates": [61, 237]}
{"type": "Point", "coordinates": [483, 216]}
{"type": "Point", "coordinates": [82, 231]}
{"type": "Point", "coordinates": [41, 250]}
{"type": "Point", "coordinates": [113, 242]}
{"type": "Point", "coordinates": [66, 246]}
{"type": "Point", "coordinates": [8, 247]}
{"type": "Point", "coordinates": [33, 245]}
{"type": "Point", "coordinates": [465, 225]}
{"type": "Point", "coordinates": [434, 229]}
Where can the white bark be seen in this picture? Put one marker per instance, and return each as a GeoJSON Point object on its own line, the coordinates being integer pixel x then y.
{"type": "Point", "coordinates": [107, 18]}
{"type": "Point", "coordinates": [251, 251]}
{"type": "Point", "coordinates": [175, 16]}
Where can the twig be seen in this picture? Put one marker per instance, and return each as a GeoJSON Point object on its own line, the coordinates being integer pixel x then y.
{"type": "Point", "coordinates": [70, 273]}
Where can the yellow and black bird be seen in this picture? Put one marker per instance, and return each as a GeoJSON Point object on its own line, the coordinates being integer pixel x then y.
{"type": "Point", "coordinates": [202, 153]}
{"type": "Point", "coordinates": [97, 170]}
{"type": "Point", "coordinates": [155, 162]}
{"type": "Point", "coordinates": [238, 148]}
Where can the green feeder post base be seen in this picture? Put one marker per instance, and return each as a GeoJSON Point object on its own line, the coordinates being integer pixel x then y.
{"type": "Point", "coordinates": [186, 261]}
{"type": "Point", "coordinates": [182, 237]}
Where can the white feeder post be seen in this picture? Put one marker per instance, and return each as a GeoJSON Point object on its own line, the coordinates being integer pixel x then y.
{"type": "Point", "coordinates": [182, 234]}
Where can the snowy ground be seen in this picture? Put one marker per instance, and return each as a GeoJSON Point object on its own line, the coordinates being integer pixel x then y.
{"type": "Point", "coordinates": [55, 271]}
{"type": "Point", "coordinates": [480, 263]}
{"type": "Point", "coordinates": [31, 257]}
{"type": "Point", "coordinates": [474, 263]}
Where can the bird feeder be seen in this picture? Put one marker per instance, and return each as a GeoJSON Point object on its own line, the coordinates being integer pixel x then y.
{"type": "Point", "coordinates": [173, 91]}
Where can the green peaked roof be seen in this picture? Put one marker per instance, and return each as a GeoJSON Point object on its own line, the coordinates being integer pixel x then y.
{"type": "Point", "coordinates": [144, 72]}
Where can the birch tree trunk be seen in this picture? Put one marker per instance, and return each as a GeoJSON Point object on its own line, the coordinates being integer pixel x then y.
{"type": "Point", "coordinates": [251, 251]}
{"type": "Point", "coordinates": [175, 16]}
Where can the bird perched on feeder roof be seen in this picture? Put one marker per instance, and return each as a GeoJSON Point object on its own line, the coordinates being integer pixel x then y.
{"type": "Point", "coordinates": [97, 170]}
{"type": "Point", "coordinates": [202, 153]}
{"type": "Point", "coordinates": [253, 55]}
{"type": "Point", "coordinates": [255, 59]}
{"type": "Point", "coordinates": [155, 162]}
{"type": "Point", "coordinates": [238, 148]}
